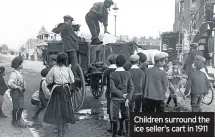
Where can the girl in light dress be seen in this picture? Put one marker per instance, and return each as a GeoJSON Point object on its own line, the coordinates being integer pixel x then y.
{"type": "Point", "coordinates": [59, 110]}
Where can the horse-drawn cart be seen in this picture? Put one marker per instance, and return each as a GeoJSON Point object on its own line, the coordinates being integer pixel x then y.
{"type": "Point", "coordinates": [92, 62]}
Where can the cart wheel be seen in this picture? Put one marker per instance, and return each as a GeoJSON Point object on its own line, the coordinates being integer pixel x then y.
{"type": "Point", "coordinates": [208, 99]}
{"type": "Point", "coordinates": [98, 89]}
{"type": "Point", "coordinates": [78, 94]}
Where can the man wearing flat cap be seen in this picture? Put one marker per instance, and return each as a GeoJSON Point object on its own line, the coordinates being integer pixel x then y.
{"type": "Point", "coordinates": [98, 13]}
{"type": "Point", "coordinates": [191, 57]}
{"type": "Point", "coordinates": [70, 41]}
{"type": "Point", "coordinates": [138, 78]}
{"type": "Point", "coordinates": [156, 85]}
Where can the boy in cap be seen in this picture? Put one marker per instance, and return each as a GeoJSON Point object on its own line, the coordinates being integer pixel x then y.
{"type": "Point", "coordinates": [198, 84]}
{"type": "Point", "coordinates": [3, 88]}
{"type": "Point", "coordinates": [156, 85]}
{"type": "Point", "coordinates": [138, 78]}
{"type": "Point", "coordinates": [174, 77]}
{"type": "Point", "coordinates": [121, 88]}
{"type": "Point", "coordinates": [53, 60]}
{"type": "Point", "coordinates": [143, 59]}
{"type": "Point", "coordinates": [44, 93]}
{"type": "Point", "coordinates": [106, 81]}
{"type": "Point", "coordinates": [17, 85]}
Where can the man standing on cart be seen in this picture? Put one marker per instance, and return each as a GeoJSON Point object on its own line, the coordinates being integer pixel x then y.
{"type": "Point", "coordinates": [70, 42]}
{"type": "Point", "coordinates": [98, 13]}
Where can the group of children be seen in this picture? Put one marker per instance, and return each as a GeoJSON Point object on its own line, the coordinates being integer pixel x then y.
{"type": "Point", "coordinates": [54, 93]}
{"type": "Point", "coordinates": [131, 86]}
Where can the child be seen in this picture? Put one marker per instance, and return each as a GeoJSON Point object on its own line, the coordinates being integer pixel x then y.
{"type": "Point", "coordinates": [17, 85]}
{"type": "Point", "coordinates": [3, 88]}
{"type": "Point", "coordinates": [198, 83]}
{"type": "Point", "coordinates": [174, 77]}
{"type": "Point", "coordinates": [44, 93]}
{"type": "Point", "coordinates": [59, 110]}
{"type": "Point", "coordinates": [156, 85]}
{"type": "Point", "coordinates": [121, 88]}
{"type": "Point", "coordinates": [106, 81]}
{"type": "Point", "coordinates": [143, 58]}
{"type": "Point", "coordinates": [138, 78]}
{"type": "Point", "coordinates": [53, 59]}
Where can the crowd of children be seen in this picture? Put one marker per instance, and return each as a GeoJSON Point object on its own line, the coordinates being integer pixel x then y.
{"type": "Point", "coordinates": [131, 87]}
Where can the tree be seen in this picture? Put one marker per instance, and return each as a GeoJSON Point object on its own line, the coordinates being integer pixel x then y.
{"type": "Point", "coordinates": [142, 39]}
{"type": "Point", "coordinates": [135, 39]}
{"type": "Point", "coordinates": [151, 37]}
{"type": "Point", "coordinates": [4, 48]}
{"type": "Point", "coordinates": [22, 49]}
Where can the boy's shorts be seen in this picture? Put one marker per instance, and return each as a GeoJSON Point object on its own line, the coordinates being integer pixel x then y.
{"type": "Point", "coordinates": [17, 99]}
{"type": "Point", "coordinates": [1, 100]}
{"type": "Point", "coordinates": [117, 106]}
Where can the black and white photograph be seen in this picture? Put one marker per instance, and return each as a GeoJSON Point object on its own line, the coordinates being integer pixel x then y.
{"type": "Point", "coordinates": [107, 68]}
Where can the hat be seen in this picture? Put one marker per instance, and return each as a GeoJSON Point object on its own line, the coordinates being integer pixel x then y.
{"type": "Point", "coordinates": [110, 1]}
{"type": "Point", "coordinates": [134, 57]}
{"type": "Point", "coordinates": [53, 57]}
{"type": "Point", "coordinates": [200, 58]}
{"type": "Point", "coordinates": [160, 55]}
{"type": "Point", "coordinates": [16, 62]}
{"type": "Point", "coordinates": [2, 69]}
{"type": "Point", "coordinates": [120, 60]}
{"type": "Point", "coordinates": [194, 45]}
{"type": "Point", "coordinates": [44, 72]}
{"type": "Point", "coordinates": [142, 56]}
{"type": "Point", "coordinates": [199, 64]}
{"type": "Point", "coordinates": [112, 58]}
{"type": "Point", "coordinates": [68, 17]}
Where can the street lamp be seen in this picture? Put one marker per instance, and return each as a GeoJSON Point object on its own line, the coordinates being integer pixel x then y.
{"type": "Point", "coordinates": [115, 9]}
{"type": "Point", "coordinates": [181, 20]}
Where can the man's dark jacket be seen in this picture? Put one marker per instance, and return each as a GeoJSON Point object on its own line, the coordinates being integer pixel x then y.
{"type": "Point", "coordinates": [69, 38]}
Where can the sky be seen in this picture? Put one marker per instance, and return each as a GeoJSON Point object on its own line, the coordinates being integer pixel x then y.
{"type": "Point", "coordinates": [22, 19]}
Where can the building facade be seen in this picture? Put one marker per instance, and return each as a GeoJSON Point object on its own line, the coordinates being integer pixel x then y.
{"type": "Point", "coordinates": [194, 19]}
{"type": "Point", "coordinates": [30, 49]}
{"type": "Point", "coordinates": [43, 38]}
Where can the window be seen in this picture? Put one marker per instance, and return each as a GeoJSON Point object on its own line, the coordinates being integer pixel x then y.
{"type": "Point", "coordinates": [181, 6]}
{"type": "Point", "coordinates": [192, 4]}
